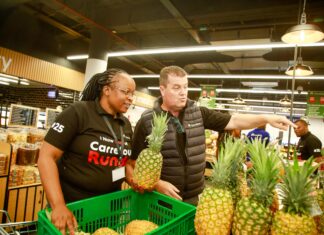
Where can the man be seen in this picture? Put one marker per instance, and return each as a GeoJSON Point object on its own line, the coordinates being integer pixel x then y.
{"type": "Point", "coordinates": [308, 144]}
{"type": "Point", "coordinates": [183, 149]}
{"type": "Point", "coordinates": [259, 133]}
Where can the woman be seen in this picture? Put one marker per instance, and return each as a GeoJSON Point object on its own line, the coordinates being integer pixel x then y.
{"type": "Point", "coordinates": [85, 150]}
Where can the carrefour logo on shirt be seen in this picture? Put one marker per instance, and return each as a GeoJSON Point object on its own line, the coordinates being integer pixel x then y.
{"type": "Point", "coordinates": [100, 154]}
{"type": "Point", "coordinates": [94, 145]}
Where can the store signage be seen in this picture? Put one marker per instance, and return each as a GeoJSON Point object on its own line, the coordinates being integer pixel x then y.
{"type": "Point", "coordinates": [51, 115]}
{"type": "Point", "coordinates": [208, 96]}
{"type": "Point", "coordinates": [5, 63]}
{"type": "Point", "coordinates": [21, 115]}
{"type": "Point", "coordinates": [315, 104]}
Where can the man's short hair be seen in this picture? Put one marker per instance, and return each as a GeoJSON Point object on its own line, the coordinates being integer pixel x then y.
{"type": "Point", "coordinates": [302, 121]}
{"type": "Point", "coordinates": [175, 70]}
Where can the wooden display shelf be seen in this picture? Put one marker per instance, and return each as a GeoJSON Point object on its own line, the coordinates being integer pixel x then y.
{"type": "Point", "coordinates": [24, 203]}
{"type": "Point", "coordinates": [23, 186]}
{"type": "Point", "coordinates": [6, 149]}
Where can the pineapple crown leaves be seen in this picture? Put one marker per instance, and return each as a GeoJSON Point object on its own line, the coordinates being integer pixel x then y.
{"type": "Point", "coordinates": [159, 128]}
{"type": "Point", "coordinates": [265, 172]}
{"type": "Point", "coordinates": [297, 187]}
{"type": "Point", "coordinates": [228, 164]}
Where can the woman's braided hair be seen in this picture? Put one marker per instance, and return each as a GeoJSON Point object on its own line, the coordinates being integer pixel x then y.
{"type": "Point", "coordinates": [94, 87]}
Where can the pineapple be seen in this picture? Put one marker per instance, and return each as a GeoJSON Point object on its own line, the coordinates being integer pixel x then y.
{"type": "Point", "coordinates": [148, 165]}
{"type": "Point", "coordinates": [105, 231]}
{"type": "Point", "coordinates": [296, 190]}
{"type": "Point", "coordinates": [215, 209]}
{"type": "Point", "coordinates": [253, 214]}
{"type": "Point", "coordinates": [320, 218]}
{"type": "Point", "coordinates": [139, 227]}
{"type": "Point", "coordinates": [275, 202]}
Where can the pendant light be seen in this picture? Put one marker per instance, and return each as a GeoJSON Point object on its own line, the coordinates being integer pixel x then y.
{"type": "Point", "coordinates": [300, 69]}
{"type": "Point", "coordinates": [238, 100]}
{"type": "Point", "coordinates": [285, 101]}
{"type": "Point", "coordinates": [303, 33]}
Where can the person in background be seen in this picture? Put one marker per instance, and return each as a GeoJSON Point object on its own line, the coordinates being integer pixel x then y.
{"type": "Point", "coordinates": [259, 133]}
{"type": "Point", "coordinates": [308, 144]}
{"type": "Point", "coordinates": [235, 133]}
{"type": "Point", "coordinates": [86, 149]}
{"type": "Point", "coordinates": [183, 149]}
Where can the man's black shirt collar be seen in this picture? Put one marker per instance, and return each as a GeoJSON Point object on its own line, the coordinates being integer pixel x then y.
{"type": "Point", "coordinates": [306, 135]}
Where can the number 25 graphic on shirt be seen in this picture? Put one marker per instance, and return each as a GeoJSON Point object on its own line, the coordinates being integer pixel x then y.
{"type": "Point", "coordinates": [58, 127]}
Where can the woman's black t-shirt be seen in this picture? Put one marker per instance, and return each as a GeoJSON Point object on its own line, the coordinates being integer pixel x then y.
{"type": "Point", "coordinates": [91, 164]}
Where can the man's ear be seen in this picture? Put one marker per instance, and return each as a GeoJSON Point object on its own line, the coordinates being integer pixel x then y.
{"type": "Point", "coordinates": [162, 90]}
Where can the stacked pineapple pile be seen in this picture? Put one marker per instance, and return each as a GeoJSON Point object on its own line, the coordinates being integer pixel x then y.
{"type": "Point", "coordinates": [297, 192]}
{"type": "Point", "coordinates": [216, 206]}
{"type": "Point", "coordinates": [253, 214]}
{"type": "Point", "coordinates": [320, 219]}
{"type": "Point", "coordinates": [257, 212]}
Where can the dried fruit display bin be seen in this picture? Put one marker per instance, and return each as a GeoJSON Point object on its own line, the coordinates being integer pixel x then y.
{"type": "Point", "coordinates": [116, 210]}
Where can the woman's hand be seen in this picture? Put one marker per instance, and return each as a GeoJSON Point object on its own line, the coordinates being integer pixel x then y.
{"type": "Point", "coordinates": [63, 219]}
{"type": "Point", "coordinates": [138, 188]}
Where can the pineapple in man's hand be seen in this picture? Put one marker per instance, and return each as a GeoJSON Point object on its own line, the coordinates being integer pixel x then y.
{"type": "Point", "coordinates": [148, 165]}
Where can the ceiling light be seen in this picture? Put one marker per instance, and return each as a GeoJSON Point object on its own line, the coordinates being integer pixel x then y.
{"type": "Point", "coordinates": [77, 57]}
{"type": "Point", "coordinates": [285, 101]}
{"type": "Point", "coordinates": [189, 88]}
{"type": "Point", "coordinates": [8, 76]}
{"type": "Point", "coordinates": [300, 69]}
{"type": "Point", "coordinates": [303, 33]}
{"type": "Point", "coordinates": [5, 79]}
{"type": "Point", "coordinates": [238, 100]}
{"type": "Point", "coordinates": [259, 91]}
{"type": "Point", "coordinates": [198, 49]}
{"type": "Point", "coordinates": [220, 106]}
{"type": "Point", "coordinates": [241, 47]}
{"type": "Point", "coordinates": [259, 106]}
{"type": "Point", "coordinates": [260, 84]}
{"type": "Point", "coordinates": [24, 83]}
{"type": "Point", "coordinates": [255, 91]}
{"type": "Point", "coordinates": [283, 112]}
{"type": "Point", "coordinates": [234, 76]}
{"type": "Point", "coordinates": [246, 107]}
{"type": "Point", "coordinates": [260, 101]}
{"type": "Point", "coordinates": [4, 83]}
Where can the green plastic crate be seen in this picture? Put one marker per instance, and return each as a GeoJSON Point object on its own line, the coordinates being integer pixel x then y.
{"type": "Point", "coordinates": [116, 210]}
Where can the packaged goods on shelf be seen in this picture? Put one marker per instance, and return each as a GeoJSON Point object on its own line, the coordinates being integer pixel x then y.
{"type": "Point", "coordinates": [3, 163]}
{"type": "Point", "coordinates": [3, 135]}
{"type": "Point", "coordinates": [35, 136]}
{"type": "Point", "coordinates": [27, 154]}
{"type": "Point", "coordinates": [211, 142]}
{"type": "Point", "coordinates": [15, 147]}
{"type": "Point", "coordinates": [15, 135]}
{"type": "Point", "coordinates": [23, 175]}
